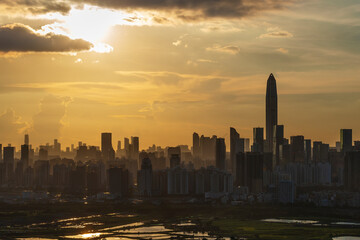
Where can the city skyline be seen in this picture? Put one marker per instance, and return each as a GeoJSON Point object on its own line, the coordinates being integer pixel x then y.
{"type": "Point", "coordinates": [260, 141]}
{"type": "Point", "coordinates": [177, 119]}
{"type": "Point", "coordinates": [202, 73]}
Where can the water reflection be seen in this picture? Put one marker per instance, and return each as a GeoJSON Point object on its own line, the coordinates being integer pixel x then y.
{"type": "Point", "coordinates": [85, 236]}
{"type": "Point", "coordinates": [276, 220]}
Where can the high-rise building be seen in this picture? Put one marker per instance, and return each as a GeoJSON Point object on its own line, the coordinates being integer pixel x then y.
{"type": "Point", "coordinates": [196, 145]}
{"type": "Point", "coordinates": [25, 153]}
{"type": "Point", "coordinates": [317, 151]}
{"type": "Point", "coordinates": [297, 148]}
{"type": "Point", "coordinates": [234, 148]}
{"type": "Point", "coordinates": [1, 155]}
{"type": "Point", "coordinates": [107, 150]}
{"type": "Point", "coordinates": [351, 171]}
{"type": "Point", "coordinates": [135, 148]}
{"type": "Point", "coordinates": [220, 153]}
{"type": "Point", "coordinates": [175, 160]}
{"type": "Point", "coordinates": [346, 140]}
{"type": "Point", "coordinates": [43, 153]}
{"type": "Point", "coordinates": [271, 111]}
{"type": "Point", "coordinates": [118, 181]}
{"type": "Point", "coordinates": [26, 139]}
{"type": "Point", "coordinates": [9, 162]}
{"type": "Point", "coordinates": [307, 148]}
{"type": "Point", "coordinates": [208, 149]}
{"type": "Point", "coordinates": [145, 178]}
{"type": "Point", "coordinates": [258, 140]}
{"type": "Point", "coordinates": [247, 145]}
{"type": "Point", "coordinates": [249, 167]}
{"type": "Point", "coordinates": [278, 140]}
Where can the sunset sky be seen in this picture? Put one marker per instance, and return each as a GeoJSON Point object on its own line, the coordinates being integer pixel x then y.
{"type": "Point", "coordinates": [162, 69]}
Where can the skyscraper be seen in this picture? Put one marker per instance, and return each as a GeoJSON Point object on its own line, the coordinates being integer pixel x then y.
{"type": "Point", "coordinates": [25, 151]}
{"type": "Point", "coordinates": [26, 139]}
{"type": "Point", "coordinates": [234, 148]}
{"type": "Point", "coordinates": [107, 150]}
{"type": "Point", "coordinates": [297, 148]}
{"type": "Point", "coordinates": [258, 140]}
{"type": "Point", "coordinates": [220, 153]}
{"type": "Point", "coordinates": [278, 140]}
{"type": "Point", "coordinates": [196, 145]}
{"type": "Point", "coordinates": [271, 111]}
{"type": "Point", "coordinates": [346, 140]}
{"type": "Point", "coordinates": [135, 148]}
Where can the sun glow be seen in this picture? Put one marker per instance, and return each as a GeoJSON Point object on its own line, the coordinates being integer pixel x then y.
{"type": "Point", "coordinates": [92, 23]}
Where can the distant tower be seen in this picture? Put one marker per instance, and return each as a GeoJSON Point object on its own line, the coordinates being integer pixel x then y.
{"type": "Point", "coordinates": [258, 140]}
{"type": "Point", "coordinates": [107, 150]}
{"type": "Point", "coordinates": [234, 148]}
{"type": "Point", "coordinates": [220, 153]}
{"type": "Point", "coordinates": [26, 139]}
{"type": "Point", "coordinates": [271, 111]}
{"type": "Point", "coordinates": [196, 145]}
{"type": "Point", "coordinates": [346, 140]}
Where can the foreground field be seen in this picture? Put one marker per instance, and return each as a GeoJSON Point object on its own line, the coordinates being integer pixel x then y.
{"type": "Point", "coordinates": [171, 220]}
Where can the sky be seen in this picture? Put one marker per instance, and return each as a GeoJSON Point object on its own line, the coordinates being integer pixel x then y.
{"type": "Point", "coordinates": [163, 69]}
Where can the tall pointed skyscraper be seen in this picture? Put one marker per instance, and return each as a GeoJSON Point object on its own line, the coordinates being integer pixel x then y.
{"type": "Point", "coordinates": [271, 111]}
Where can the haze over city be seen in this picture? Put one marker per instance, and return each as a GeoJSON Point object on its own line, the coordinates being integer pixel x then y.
{"type": "Point", "coordinates": [73, 69]}
{"type": "Point", "coordinates": [179, 119]}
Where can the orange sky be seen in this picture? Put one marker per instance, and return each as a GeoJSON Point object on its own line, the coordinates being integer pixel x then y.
{"type": "Point", "coordinates": [71, 71]}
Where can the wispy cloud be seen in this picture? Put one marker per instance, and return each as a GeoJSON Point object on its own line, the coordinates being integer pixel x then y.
{"type": "Point", "coordinates": [276, 33]}
{"type": "Point", "coordinates": [229, 49]}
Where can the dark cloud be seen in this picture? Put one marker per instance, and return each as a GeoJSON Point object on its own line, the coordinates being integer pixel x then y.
{"type": "Point", "coordinates": [194, 10]}
{"type": "Point", "coordinates": [22, 38]}
{"type": "Point", "coordinates": [38, 6]}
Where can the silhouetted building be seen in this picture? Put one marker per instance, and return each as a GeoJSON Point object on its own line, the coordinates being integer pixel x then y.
{"type": "Point", "coordinates": [107, 150]}
{"type": "Point", "coordinates": [249, 167]}
{"type": "Point", "coordinates": [26, 139]}
{"type": "Point", "coordinates": [177, 181]}
{"type": "Point", "coordinates": [135, 148]}
{"type": "Point", "coordinates": [271, 111]}
{"type": "Point", "coordinates": [43, 153]}
{"type": "Point", "coordinates": [118, 181]}
{"type": "Point", "coordinates": [236, 146]}
{"type": "Point", "coordinates": [9, 163]}
{"type": "Point", "coordinates": [307, 149]}
{"type": "Point", "coordinates": [285, 154]}
{"type": "Point", "coordinates": [297, 149]}
{"type": "Point", "coordinates": [277, 141]}
{"type": "Point", "coordinates": [176, 152]}
{"type": "Point", "coordinates": [352, 170]}
{"type": "Point", "coordinates": [42, 174]}
{"type": "Point", "coordinates": [25, 152]}
{"type": "Point", "coordinates": [258, 140]}
{"type": "Point", "coordinates": [346, 140]}
{"type": "Point", "coordinates": [175, 160]}
{"type": "Point", "coordinates": [220, 153]}
{"type": "Point", "coordinates": [208, 149]}
{"type": "Point", "coordinates": [196, 145]}
{"type": "Point", "coordinates": [145, 178]}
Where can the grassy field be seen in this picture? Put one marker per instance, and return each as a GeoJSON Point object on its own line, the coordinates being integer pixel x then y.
{"type": "Point", "coordinates": [220, 220]}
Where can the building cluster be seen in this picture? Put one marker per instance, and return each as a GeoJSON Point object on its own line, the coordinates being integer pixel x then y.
{"type": "Point", "coordinates": [272, 165]}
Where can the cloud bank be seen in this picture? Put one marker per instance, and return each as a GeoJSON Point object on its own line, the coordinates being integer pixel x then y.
{"type": "Point", "coordinates": [37, 6]}
{"type": "Point", "coordinates": [192, 10]}
{"type": "Point", "coordinates": [22, 38]}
